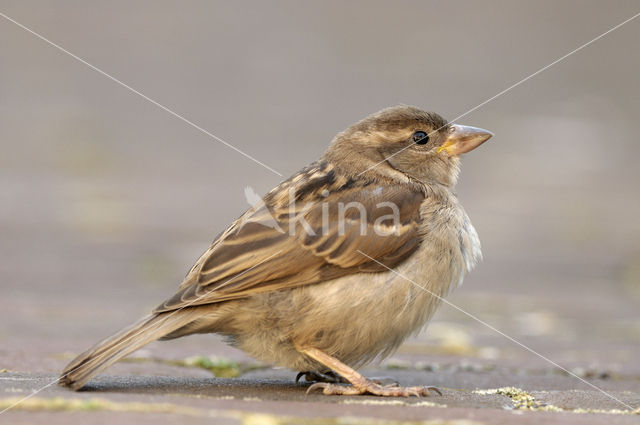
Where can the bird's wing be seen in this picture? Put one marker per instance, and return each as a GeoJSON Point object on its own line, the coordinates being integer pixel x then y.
{"type": "Point", "coordinates": [284, 244]}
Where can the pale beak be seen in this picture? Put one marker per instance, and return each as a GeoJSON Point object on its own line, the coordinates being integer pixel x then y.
{"type": "Point", "coordinates": [462, 138]}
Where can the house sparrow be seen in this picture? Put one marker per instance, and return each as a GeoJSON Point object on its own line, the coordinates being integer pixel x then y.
{"type": "Point", "coordinates": [303, 280]}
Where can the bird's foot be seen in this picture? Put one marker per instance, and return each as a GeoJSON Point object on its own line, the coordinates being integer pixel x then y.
{"type": "Point", "coordinates": [369, 387]}
{"type": "Point", "coordinates": [329, 377]}
{"type": "Point", "coordinates": [359, 384]}
{"type": "Point", "coordinates": [333, 378]}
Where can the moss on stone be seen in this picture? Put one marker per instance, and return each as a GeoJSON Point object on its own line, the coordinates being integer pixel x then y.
{"type": "Point", "coordinates": [523, 400]}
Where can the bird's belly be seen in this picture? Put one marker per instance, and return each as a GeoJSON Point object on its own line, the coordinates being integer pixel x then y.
{"type": "Point", "coordinates": [356, 318]}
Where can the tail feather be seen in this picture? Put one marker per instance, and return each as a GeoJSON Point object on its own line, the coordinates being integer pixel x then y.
{"type": "Point", "coordinates": [125, 342]}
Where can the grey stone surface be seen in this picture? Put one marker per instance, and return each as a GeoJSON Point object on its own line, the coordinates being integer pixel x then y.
{"type": "Point", "coordinates": [106, 200]}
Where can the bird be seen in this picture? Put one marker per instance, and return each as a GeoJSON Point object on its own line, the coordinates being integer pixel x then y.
{"type": "Point", "coordinates": [336, 266]}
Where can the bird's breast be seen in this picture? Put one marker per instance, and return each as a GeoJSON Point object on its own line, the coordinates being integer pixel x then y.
{"type": "Point", "coordinates": [450, 246]}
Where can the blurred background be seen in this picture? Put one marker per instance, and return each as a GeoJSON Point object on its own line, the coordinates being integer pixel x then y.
{"type": "Point", "coordinates": [106, 200]}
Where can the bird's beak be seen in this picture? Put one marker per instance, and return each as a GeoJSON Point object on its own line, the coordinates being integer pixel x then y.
{"type": "Point", "coordinates": [462, 138]}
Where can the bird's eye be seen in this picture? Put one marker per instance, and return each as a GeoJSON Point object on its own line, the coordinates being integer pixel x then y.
{"type": "Point", "coordinates": [420, 137]}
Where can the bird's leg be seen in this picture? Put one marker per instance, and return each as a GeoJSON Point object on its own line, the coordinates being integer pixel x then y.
{"type": "Point", "coordinates": [359, 384]}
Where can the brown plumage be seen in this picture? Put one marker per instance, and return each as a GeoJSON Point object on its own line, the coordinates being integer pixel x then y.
{"type": "Point", "coordinates": [303, 279]}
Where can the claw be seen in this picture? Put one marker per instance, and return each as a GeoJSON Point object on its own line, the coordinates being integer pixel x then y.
{"type": "Point", "coordinates": [330, 377]}
{"type": "Point", "coordinates": [435, 390]}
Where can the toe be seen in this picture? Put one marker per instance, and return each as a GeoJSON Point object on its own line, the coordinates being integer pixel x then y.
{"type": "Point", "coordinates": [317, 386]}
{"type": "Point", "coordinates": [334, 389]}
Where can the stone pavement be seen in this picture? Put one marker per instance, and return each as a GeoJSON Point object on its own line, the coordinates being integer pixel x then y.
{"type": "Point", "coordinates": [106, 200]}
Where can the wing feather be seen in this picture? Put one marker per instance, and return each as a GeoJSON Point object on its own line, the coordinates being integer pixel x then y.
{"type": "Point", "coordinates": [258, 252]}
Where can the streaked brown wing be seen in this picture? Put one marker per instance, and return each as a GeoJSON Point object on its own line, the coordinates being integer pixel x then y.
{"type": "Point", "coordinates": [269, 248]}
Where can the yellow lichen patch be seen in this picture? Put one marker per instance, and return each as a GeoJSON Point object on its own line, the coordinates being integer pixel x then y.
{"type": "Point", "coordinates": [76, 404]}
{"type": "Point", "coordinates": [523, 400]}
{"type": "Point", "coordinates": [220, 367]}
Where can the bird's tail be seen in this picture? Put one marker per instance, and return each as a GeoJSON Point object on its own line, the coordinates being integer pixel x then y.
{"type": "Point", "coordinates": [125, 342]}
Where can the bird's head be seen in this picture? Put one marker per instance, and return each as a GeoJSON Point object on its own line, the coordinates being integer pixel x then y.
{"type": "Point", "coordinates": [405, 142]}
